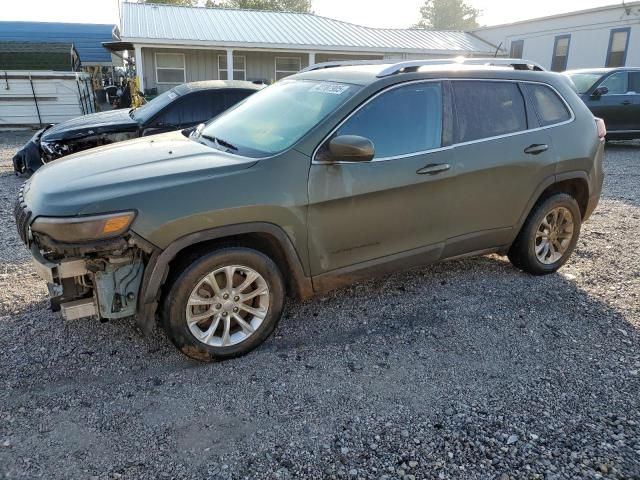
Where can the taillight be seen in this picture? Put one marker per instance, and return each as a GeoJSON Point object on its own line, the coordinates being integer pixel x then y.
{"type": "Point", "coordinates": [602, 128]}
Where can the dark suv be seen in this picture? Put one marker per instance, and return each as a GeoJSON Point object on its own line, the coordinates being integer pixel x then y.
{"type": "Point", "coordinates": [612, 94]}
{"type": "Point", "coordinates": [327, 177]}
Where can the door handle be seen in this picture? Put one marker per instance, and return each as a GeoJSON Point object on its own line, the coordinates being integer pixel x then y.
{"type": "Point", "coordinates": [626, 102]}
{"type": "Point", "coordinates": [536, 148]}
{"type": "Point", "coordinates": [433, 168]}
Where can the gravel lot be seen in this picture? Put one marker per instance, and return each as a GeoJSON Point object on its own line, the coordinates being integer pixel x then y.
{"type": "Point", "coordinates": [467, 369]}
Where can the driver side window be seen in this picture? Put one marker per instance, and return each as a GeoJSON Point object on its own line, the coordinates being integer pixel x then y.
{"type": "Point", "coordinates": [401, 121]}
{"type": "Point", "coordinates": [618, 83]}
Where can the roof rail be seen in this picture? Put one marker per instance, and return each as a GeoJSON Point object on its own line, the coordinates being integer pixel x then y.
{"type": "Point", "coordinates": [342, 63]}
{"type": "Point", "coordinates": [413, 65]}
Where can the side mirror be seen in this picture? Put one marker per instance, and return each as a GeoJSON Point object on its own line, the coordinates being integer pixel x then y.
{"type": "Point", "coordinates": [598, 92]}
{"type": "Point", "coordinates": [351, 148]}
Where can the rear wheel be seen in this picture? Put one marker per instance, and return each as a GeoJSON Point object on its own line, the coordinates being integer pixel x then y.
{"type": "Point", "coordinates": [548, 236]}
{"type": "Point", "coordinates": [224, 304]}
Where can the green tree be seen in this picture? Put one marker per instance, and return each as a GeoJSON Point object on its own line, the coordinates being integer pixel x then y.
{"type": "Point", "coordinates": [303, 6]}
{"type": "Point", "coordinates": [447, 15]}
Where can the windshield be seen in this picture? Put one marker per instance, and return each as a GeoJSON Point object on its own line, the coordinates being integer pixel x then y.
{"type": "Point", "coordinates": [147, 111]}
{"type": "Point", "coordinates": [275, 118]}
{"type": "Point", "coordinates": [584, 81]}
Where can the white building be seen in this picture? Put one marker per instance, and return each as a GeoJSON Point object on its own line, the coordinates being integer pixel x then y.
{"type": "Point", "coordinates": [599, 37]}
{"type": "Point", "coordinates": [176, 44]}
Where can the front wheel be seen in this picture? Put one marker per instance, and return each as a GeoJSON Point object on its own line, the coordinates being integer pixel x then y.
{"type": "Point", "coordinates": [224, 304]}
{"type": "Point", "coordinates": [548, 236]}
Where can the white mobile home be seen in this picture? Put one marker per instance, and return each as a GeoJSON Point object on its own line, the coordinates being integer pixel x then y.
{"type": "Point", "coordinates": [599, 37]}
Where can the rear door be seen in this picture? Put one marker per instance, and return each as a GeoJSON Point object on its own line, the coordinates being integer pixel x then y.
{"type": "Point", "coordinates": [500, 158]}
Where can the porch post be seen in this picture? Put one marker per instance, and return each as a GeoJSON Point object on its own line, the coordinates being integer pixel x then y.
{"type": "Point", "coordinates": [139, 69]}
{"type": "Point", "coordinates": [312, 58]}
{"type": "Point", "coordinates": [229, 63]}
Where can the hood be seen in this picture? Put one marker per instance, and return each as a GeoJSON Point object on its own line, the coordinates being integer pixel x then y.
{"type": "Point", "coordinates": [112, 177]}
{"type": "Point", "coordinates": [94, 123]}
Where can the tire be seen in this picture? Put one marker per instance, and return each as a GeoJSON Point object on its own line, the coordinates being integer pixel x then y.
{"type": "Point", "coordinates": [523, 252]}
{"type": "Point", "coordinates": [202, 339]}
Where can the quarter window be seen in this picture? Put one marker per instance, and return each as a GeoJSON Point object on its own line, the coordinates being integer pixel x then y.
{"type": "Point", "coordinates": [560, 53]}
{"type": "Point", "coordinates": [170, 68]}
{"type": "Point", "coordinates": [239, 67]}
{"type": "Point", "coordinates": [548, 105]}
{"type": "Point", "coordinates": [618, 43]}
{"type": "Point", "coordinates": [488, 109]}
{"type": "Point", "coordinates": [286, 66]}
{"type": "Point", "coordinates": [401, 121]}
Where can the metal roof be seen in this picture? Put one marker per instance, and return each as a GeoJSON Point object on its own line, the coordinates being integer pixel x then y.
{"type": "Point", "coordinates": [86, 37]}
{"type": "Point", "coordinates": [38, 56]}
{"type": "Point", "coordinates": [175, 24]}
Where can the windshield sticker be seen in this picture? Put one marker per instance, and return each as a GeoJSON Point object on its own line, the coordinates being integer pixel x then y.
{"type": "Point", "coordinates": [172, 95]}
{"type": "Point", "coordinates": [331, 88]}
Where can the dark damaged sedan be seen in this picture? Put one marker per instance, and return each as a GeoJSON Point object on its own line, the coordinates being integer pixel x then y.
{"type": "Point", "coordinates": [181, 107]}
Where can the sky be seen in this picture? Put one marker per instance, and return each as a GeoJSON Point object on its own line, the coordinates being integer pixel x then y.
{"type": "Point", "coordinates": [390, 14]}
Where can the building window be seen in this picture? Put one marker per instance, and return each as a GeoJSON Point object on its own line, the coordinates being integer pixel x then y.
{"type": "Point", "coordinates": [560, 53]}
{"type": "Point", "coordinates": [618, 44]}
{"type": "Point", "coordinates": [170, 68]}
{"type": "Point", "coordinates": [286, 66]}
{"type": "Point", "coordinates": [239, 67]}
{"type": "Point", "coordinates": [516, 49]}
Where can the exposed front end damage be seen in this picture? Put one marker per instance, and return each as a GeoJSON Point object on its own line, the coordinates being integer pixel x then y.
{"type": "Point", "coordinates": [52, 150]}
{"type": "Point", "coordinates": [101, 280]}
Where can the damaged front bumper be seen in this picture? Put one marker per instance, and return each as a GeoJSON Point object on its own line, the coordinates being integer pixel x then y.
{"type": "Point", "coordinates": [105, 286]}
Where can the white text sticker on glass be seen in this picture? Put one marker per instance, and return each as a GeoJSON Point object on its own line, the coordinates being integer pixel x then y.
{"type": "Point", "coordinates": [332, 88]}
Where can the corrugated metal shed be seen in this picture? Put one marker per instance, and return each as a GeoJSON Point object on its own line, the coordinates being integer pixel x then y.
{"type": "Point", "coordinates": [144, 22]}
{"type": "Point", "coordinates": [87, 38]}
{"type": "Point", "coordinates": [61, 57]}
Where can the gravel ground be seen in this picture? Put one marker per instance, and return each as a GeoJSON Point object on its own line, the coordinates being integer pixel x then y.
{"type": "Point", "coordinates": [466, 369]}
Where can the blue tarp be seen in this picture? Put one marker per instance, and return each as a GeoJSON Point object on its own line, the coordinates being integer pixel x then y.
{"type": "Point", "coordinates": [86, 37]}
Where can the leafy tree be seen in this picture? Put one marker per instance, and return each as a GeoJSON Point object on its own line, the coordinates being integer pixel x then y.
{"type": "Point", "coordinates": [447, 15]}
{"type": "Point", "coordinates": [303, 6]}
{"type": "Point", "coordinates": [184, 3]}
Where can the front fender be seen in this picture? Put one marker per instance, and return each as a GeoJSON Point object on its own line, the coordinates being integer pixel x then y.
{"type": "Point", "coordinates": [157, 268]}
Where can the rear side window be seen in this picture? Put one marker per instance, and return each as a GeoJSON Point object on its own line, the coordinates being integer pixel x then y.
{"type": "Point", "coordinates": [549, 107]}
{"type": "Point", "coordinates": [488, 109]}
{"type": "Point", "coordinates": [198, 107]}
{"type": "Point", "coordinates": [400, 121]}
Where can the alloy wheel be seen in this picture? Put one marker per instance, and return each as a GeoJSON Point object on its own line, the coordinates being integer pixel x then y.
{"type": "Point", "coordinates": [554, 235]}
{"type": "Point", "coordinates": [227, 306]}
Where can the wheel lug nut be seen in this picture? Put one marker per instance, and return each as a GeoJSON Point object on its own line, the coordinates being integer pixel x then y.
{"type": "Point", "coordinates": [225, 296]}
{"type": "Point", "coordinates": [224, 314]}
{"type": "Point", "coordinates": [236, 298]}
{"type": "Point", "coordinates": [235, 309]}
{"type": "Point", "coordinates": [218, 306]}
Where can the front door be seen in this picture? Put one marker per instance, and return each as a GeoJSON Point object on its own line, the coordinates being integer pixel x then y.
{"type": "Point", "coordinates": [394, 205]}
{"type": "Point", "coordinates": [616, 107]}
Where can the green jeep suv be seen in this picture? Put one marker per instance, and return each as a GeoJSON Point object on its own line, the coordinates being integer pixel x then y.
{"type": "Point", "coordinates": [329, 176]}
